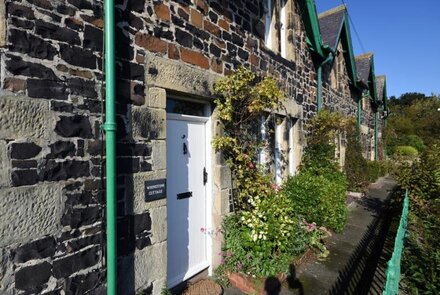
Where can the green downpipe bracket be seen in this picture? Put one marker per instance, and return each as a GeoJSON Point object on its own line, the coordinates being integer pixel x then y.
{"type": "Point", "coordinates": [319, 82]}
{"type": "Point", "coordinates": [375, 136]}
{"type": "Point", "coordinates": [110, 144]}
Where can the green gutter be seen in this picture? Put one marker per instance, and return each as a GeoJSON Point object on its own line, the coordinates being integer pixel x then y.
{"type": "Point", "coordinates": [359, 112]}
{"type": "Point", "coordinates": [110, 145]}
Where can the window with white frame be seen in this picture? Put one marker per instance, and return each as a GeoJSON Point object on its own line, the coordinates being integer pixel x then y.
{"type": "Point", "coordinates": [280, 23]}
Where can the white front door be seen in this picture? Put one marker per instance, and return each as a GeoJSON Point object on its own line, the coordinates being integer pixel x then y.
{"type": "Point", "coordinates": [186, 197]}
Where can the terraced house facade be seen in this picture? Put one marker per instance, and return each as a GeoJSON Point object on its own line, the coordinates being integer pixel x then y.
{"type": "Point", "coordinates": [172, 189]}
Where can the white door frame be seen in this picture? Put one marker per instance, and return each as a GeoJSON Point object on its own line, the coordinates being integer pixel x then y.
{"type": "Point", "coordinates": [207, 119]}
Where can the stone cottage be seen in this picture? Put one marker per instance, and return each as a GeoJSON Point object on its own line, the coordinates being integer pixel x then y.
{"type": "Point", "coordinates": [172, 189]}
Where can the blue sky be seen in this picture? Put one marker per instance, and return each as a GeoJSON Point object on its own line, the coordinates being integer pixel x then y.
{"type": "Point", "coordinates": [404, 36]}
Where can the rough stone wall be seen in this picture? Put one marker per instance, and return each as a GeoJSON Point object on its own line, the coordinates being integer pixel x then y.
{"type": "Point", "coordinates": [367, 128]}
{"type": "Point", "coordinates": [51, 145]}
{"type": "Point", "coordinates": [52, 194]}
{"type": "Point", "coordinates": [339, 97]}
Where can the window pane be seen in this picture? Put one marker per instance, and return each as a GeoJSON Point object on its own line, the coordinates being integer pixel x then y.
{"type": "Point", "coordinates": [185, 107]}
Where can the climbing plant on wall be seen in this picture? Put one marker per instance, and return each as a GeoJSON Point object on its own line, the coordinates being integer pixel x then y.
{"type": "Point", "coordinates": [263, 235]}
{"type": "Point", "coordinates": [243, 98]}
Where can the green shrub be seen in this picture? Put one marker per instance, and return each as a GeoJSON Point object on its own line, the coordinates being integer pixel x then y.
{"type": "Point", "coordinates": [356, 167]}
{"type": "Point", "coordinates": [319, 198]}
{"type": "Point", "coordinates": [269, 255]}
{"type": "Point", "coordinates": [378, 169]}
{"type": "Point", "coordinates": [421, 258]}
{"type": "Point", "coordinates": [406, 151]}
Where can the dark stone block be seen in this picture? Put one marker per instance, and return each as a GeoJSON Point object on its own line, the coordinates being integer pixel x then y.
{"type": "Point", "coordinates": [198, 43]}
{"type": "Point", "coordinates": [143, 242]}
{"type": "Point", "coordinates": [24, 150]}
{"type": "Point", "coordinates": [82, 87]}
{"type": "Point", "coordinates": [66, 10]}
{"type": "Point", "coordinates": [135, 22]}
{"type": "Point", "coordinates": [47, 89]}
{"type": "Point", "coordinates": [163, 33]}
{"type": "Point", "coordinates": [72, 234]}
{"type": "Point", "coordinates": [20, 11]}
{"type": "Point", "coordinates": [136, 5]}
{"type": "Point", "coordinates": [213, 16]}
{"type": "Point", "coordinates": [17, 66]}
{"type": "Point", "coordinates": [24, 164]}
{"type": "Point", "coordinates": [61, 149]}
{"type": "Point", "coordinates": [127, 165]}
{"type": "Point", "coordinates": [42, 3]}
{"type": "Point", "coordinates": [78, 244]}
{"type": "Point", "coordinates": [177, 21]}
{"type": "Point", "coordinates": [82, 284]}
{"type": "Point", "coordinates": [31, 278]}
{"type": "Point", "coordinates": [237, 40]}
{"type": "Point", "coordinates": [93, 106]}
{"type": "Point", "coordinates": [24, 177]}
{"type": "Point", "coordinates": [132, 71]}
{"type": "Point", "coordinates": [60, 106]}
{"type": "Point", "coordinates": [93, 38]}
{"type": "Point", "coordinates": [74, 24]}
{"type": "Point", "coordinates": [95, 147]}
{"type": "Point", "coordinates": [243, 54]}
{"type": "Point", "coordinates": [74, 126]}
{"type": "Point", "coordinates": [197, 32]}
{"type": "Point", "coordinates": [77, 56]}
{"type": "Point", "coordinates": [68, 265]}
{"type": "Point", "coordinates": [55, 171]}
{"type": "Point", "coordinates": [184, 38]}
{"type": "Point", "coordinates": [145, 166]}
{"type": "Point", "coordinates": [20, 41]}
{"type": "Point", "coordinates": [54, 17]}
{"type": "Point", "coordinates": [22, 23]}
{"type": "Point", "coordinates": [226, 36]}
{"type": "Point", "coordinates": [215, 50]}
{"type": "Point", "coordinates": [77, 217]}
{"type": "Point", "coordinates": [143, 150]}
{"type": "Point", "coordinates": [85, 198]}
{"type": "Point", "coordinates": [35, 250]}
{"type": "Point", "coordinates": [81, 4]}
{"type": "Point", "coordinates": [142, 223]}
{"type": "Point", "coordinates": [51, 31]}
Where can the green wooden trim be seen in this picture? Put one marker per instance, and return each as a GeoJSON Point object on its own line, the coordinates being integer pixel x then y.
{"type": "Point", "coordinates": [372, 79]}
{"type": "Point", "coordinates": [353, 70]}
{"type": "Point", "coordinates": [312, 27]}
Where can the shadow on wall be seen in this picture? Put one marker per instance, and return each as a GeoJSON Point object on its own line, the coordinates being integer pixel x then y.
{"type": "Point", "coordinates": [133, 156]}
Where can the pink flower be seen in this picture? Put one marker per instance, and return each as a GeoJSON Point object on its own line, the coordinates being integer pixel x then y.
{"type": "Point", "coordinates": [251, 165]}
{"type": "Point", "coordinates": [310, 226]}
{"type": "Point", "coordinates": [239, 266]}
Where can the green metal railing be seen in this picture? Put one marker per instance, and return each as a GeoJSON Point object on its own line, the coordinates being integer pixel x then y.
{"type": "Point", "coordinates": [393, 269]}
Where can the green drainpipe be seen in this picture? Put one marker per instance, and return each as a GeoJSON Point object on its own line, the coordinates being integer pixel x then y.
{"type": "Point", "coordinates": [375, 136]}
{"type": "Point", "coordinates": [110, 145]}
{"type": "Point", "coordinates": [319, 78]}
{"type": "Point", "coordinates": [359, 112]}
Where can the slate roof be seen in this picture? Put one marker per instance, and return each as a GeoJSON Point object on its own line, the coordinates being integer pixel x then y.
{"type": "Point", "coordinates": [330, 24]}
{"type": "Point", "coordinates": [380, 84]}
{"type": "Point", "coordinates": [363, 63]}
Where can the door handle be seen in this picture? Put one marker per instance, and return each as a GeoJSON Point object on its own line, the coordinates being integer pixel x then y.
{"type": "Point", "coordinates": [205, 176]}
